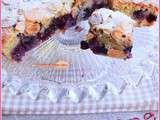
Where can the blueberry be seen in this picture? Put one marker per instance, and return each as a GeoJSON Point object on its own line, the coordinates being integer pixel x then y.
{"type": "Point", "coordinates": [93, 43]}
{"type": "Point", "coordinates": [20, 35]}
{"type": "Point", "coordinates": [96, 47]}
{"type": "Point", "coordinates": [31, 46]}
{"type": "Point", "coordinates": [18, 52]}
{"type": "Point", "coordinates": [139, 14]}
{"type": "Point", "coordinates": [40, 36]}
{"type": "Point", "coordinates": [84, 45]}
{"type": "Point", "coordinates": [100, 50]}
{"type": "Point", "coordinates": [28, 39]}
{"type": "Point", "coordinates": [70, 22]}
{"type": "Point", "coordinates": [129, 56]}
{"type": "Point", "coordinates": [48, 32]}
{"type": "Point", "coordinates": [29, 42]}
{"type": "Point", "coordinates": [87, 12]}
{"type": "Point", "coordinates": [128, 49]}
{"type": "Point", "coordinates": [151, 17]}
{"type": "Point", "coordinates": [61, 21]}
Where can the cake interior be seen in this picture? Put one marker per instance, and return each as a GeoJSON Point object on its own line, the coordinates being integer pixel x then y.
{"type": "Point", "coordinates": [97, 47]}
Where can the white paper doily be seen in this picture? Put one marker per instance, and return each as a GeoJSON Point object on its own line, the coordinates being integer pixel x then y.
{"type": "Point", "coordinates": [88, 74]}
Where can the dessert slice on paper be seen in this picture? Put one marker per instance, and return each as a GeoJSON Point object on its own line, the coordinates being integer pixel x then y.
{"type": "Point", "coordinates": [110, 34]}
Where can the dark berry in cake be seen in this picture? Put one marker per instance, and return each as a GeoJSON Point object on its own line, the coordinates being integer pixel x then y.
{"type": "Point", "coordinates": [129, 55]}
{"type": "Point", "coordinates": [96, 47]}
{"type": "Point", "coordinates": [128, 49]}
{"type": "Point", "coordinates": [40, 36]}
{"type": "Point", "coordinates": [59, 22]}
{"type": "Point", "coordinates": [139, 14]}
{"type": "Point", "coordinates": [78, 29]}
{"type": "Point", "coordinates": [26, 43]}
{"type": "Point", "coordinates": [87, 12]}
{"type": "Point", "coordinates": [97, 4]}
{"type": "Point", "coordinates": [32, 44]}
{"type": "Point", "coordinates": [18, 52]}
{"type": "Point", "coordinates": [151, 18]}
{"type": "Point", "coordinates": [70, 21]}
{"type": "Point", "coordinates": [48, 32]}
{"type": "Point", "coordinates": [100, 50]}
{"type": "Point", "coordinates": [93, 43]}
{"type": "Point", "coordinates": [27, 39]}
{"type": "Point", "coordinates": [84, 45]}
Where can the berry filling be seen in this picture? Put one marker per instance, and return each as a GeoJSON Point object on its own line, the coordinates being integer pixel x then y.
{"type": "Point", "coordinates": [29, 42]}
{"type": "Point", "coordinates": [128, 49]}
{"type": "Point", "coordinates": [18, 53]}
{"type": "Point", "coordinates": [84, 45]}
{"type": "Point", "coordinates": [96, 48]}
{"type": "Point", "coordinates": [144, 14]}
{"type": "Point", "coordinates": [151, 18]}
{"type": "Point", "coordinates": [100, 50]}
{"type": "Point", "coordinates": [140, 14]}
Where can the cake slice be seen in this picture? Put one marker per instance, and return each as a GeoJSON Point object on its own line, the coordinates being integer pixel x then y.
{"type": "Point", "coordinates": [35, 22]}
{"type": "Point", "coordinates": [111, 31]}
{"type": "Point", "coordinates": [144, 13]}
{"type": "Point", "coordinates": [110, 34]}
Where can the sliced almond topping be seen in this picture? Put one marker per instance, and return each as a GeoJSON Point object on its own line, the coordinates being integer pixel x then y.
{"type": "Point", "coordinates": [32, 27]}
{"type": "Point", "coordinates": [89, 36]}
{"type": "Point", "coordinates": [116, 53]}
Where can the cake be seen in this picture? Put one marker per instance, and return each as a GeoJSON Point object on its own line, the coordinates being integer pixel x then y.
{"type": "Point", "coordinates": [110, 34]}
{"type": "Point", "coordinates": [144, 13]}
{"type": "Point", "coordinates": [34, 25]}
{"type": "Point", "coordinates": [35, 22]}
{"type": "Point", "coordinates": [27, 26]}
